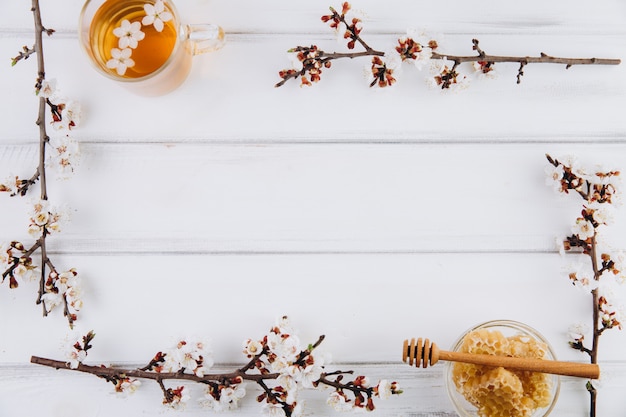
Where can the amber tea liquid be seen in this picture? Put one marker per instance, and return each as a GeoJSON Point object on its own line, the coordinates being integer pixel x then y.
{"type": "Point", "coordinates": [151, 52]}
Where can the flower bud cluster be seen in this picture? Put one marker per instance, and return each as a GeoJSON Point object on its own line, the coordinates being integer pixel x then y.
{"type": "Point", "coordinates": [224, 396]}
{"type": "Point", "coordinates": [297, 367]}
{"type": "Point", "coordinates": [362, 392]}
{"type": "Point", "coordinates": [308, 64]}
{"type": "Point", "coordinates": [598, 186]}
{"type": "Point", "coordinates": [382, 74]}
{"type": "Point", "coordinates": [175, 398]}
{"type": "Point", "coordinates": [610, 315]}
{"type": "Point", "coordinates": [127, 385]}
{"type": "Point", "coordinates": [352, 29]}
{"type": "Point", "coordinates": [63, 289]}
{"type": "Point", "coordinates": [66, 115]}
{"type": "Point", "coordinates": [188, 356]}
{"type": "Point", "coordinates": [44, 220]}
{"type": "Point", "coordinates": [76, 351]}
{"type": "Point", "coordinates": [12, 185]}
{"type": "Point", "coordinates": [15, 263]}
{"type": "Point", "coordinates": [447, 77]}
{"type": "Point", "coordinates": [191, 356]}
{"type": "Point", "coordinates": [280, 352]}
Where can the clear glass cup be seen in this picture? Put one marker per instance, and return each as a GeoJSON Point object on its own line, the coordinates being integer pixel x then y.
{"type": "Point", "coordinates": [508, 329]}
{"type": "Point", "coordinates": [142, 43]}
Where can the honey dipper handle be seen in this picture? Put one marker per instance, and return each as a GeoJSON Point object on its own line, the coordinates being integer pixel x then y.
{"type": "Point", "coordinates": [584, 370]}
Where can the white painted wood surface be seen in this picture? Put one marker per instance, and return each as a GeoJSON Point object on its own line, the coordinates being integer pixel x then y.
{"type": "Point", "coordinates": [368, 216]}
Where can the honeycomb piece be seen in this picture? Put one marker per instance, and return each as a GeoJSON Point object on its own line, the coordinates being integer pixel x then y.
{"type": "Point", "coordinates": [499, 392]}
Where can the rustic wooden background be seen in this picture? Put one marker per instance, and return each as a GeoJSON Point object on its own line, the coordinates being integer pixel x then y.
{"type": "Point", "coordinates": [368, 216]}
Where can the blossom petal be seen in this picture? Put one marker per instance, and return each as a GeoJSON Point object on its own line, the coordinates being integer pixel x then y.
{"type": "Point", "coordinates": [148, 19]}
{"type": "Point", "coordinates": [158, 25]}
{"type": "Point", "coordinates": [166, 16]}
{"type": "Point", "coordinates": [159, 6]}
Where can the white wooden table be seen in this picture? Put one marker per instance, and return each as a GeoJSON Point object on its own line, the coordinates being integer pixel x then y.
{"type": "Point", "coordinates": [368, 216]}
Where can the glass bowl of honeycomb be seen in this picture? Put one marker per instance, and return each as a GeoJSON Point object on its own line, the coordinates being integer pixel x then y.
{"type": "Point", "coordinates": [485, 391]}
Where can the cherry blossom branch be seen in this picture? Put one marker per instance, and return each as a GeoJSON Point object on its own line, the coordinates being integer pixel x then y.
{"type": "Point", "coordinates": [276, 364]}
{"type": "Point", "coordinates": [311, 61]}
{"type": "Point", "coordinates": [54, 288]}
{"type": "Point", "coordinates": [115, 374]}
{"type": "Point", "coordinates": [598, 191]}
{"type": "Point", "coordinates": [15, 262]}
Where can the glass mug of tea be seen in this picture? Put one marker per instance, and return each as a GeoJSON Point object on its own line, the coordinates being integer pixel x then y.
{"type": "Point", "coordinates": [142, 43]}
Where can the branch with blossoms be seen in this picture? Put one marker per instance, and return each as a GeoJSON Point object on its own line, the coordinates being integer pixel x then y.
{"type": "Point", "coordinates": [310, 61]}
{"type": "Point", "coordinates": [604, 267]}
{"type": "Point", "coordinates": [58, 152]}
{"type": "Point", "coordinates": [276, 363]}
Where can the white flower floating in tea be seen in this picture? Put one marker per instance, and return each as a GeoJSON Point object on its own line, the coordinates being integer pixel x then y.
{"type": "Point", "coordinates": [156, 15]}
{"type": "Point", "coordinates": [120, 60]}
{"type": "Point", "coordinates": [129, 33]}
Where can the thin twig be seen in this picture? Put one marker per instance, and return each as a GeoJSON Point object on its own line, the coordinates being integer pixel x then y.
{"type": "Point", "coordinates": [119, 373]}
{"type": "Point", "coordinates": [315, 59]}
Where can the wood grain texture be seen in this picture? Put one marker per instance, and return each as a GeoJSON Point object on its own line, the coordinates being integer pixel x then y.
{"type": "Point", "coordinates": [87, 396]}
{"type": "Point", "coordinates": [368, 216]}
{"type": "Point", "coordinates": [239, 100]}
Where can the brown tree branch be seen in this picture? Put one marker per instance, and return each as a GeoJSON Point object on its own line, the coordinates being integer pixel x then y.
{"type": "Point", "coordinates": [41, 117]}
{"type": "Point", "coordinates": [337, 19]}
{"type": "Point", "coordinates": [120, 373]}
{"type": "Point", "coordinates": [24, 54]}
{"type": "Point", "coordinates": [40, 173]}
{"type": "Point", "coordinates": [25, 254]}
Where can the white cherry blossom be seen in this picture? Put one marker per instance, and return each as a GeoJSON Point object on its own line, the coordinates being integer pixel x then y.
{"type": "Point", "coordinates": [554, 175]}
{"type": "Point", "coordinates": [577, 331]}
{"type": "Point", "coordinates": [24, 273]}
{"type": "Point", "coordinates": [120, 60]}
{"type": "Point", "coordinates": [274, 410]}
{"type": "Point", "coordinates": [64, 156]}
{"type": "Point", "coordinates": [284, 347]}
{"type": "Point", "coordinates": [339, 402]}
{"type": "Point", "coordinates": [603, 214]}
{"type": "Point", "coordinates": [10, 185]}
{"type": "Point", "coordinates": [620, 266]}
{"type": "Point", "coordinates": [384, 389]}
{"type": "Point", "coordinates": [128, 386]}
{"type": "Point", "coordinates": [52, 300]}
{"type": "Point", "coordinates": [193, 356]}
{"type": "Point", "coordinates": [48, 88]}
{"type": "Point", "coordinates": [71, 114]}
{"type": "Point", "coordinates": [156, 15]}
{"type": "Point", "coordinates": [583, 228]}
{"type": "Point", "coordinates": [229, 398]}
{"type": "Point", "coordinates": [129, 33]}
{"type": "Point", "coordinates": [75, 357]}
{"type": "Point", "coordinates": [6, 255]}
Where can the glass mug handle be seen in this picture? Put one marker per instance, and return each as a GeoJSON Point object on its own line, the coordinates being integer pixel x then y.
{"type": "Point", "coordinates": [205, 38]}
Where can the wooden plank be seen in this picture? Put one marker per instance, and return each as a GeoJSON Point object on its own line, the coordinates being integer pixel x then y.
{"type": "Point", "coordinates": [366, 305]}
{"type": "Point", "coordinates": [230, 100]}
{"type": "Point", "coordinates": [424, 394]}
{"type": "Point", "coordinates": [284, 16]}
{"type": "Point", "coordinates": [361, 198]}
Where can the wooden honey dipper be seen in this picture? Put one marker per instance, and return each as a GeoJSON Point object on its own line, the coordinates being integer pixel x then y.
{"type": "Point", "coordinates": [425, 352]}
